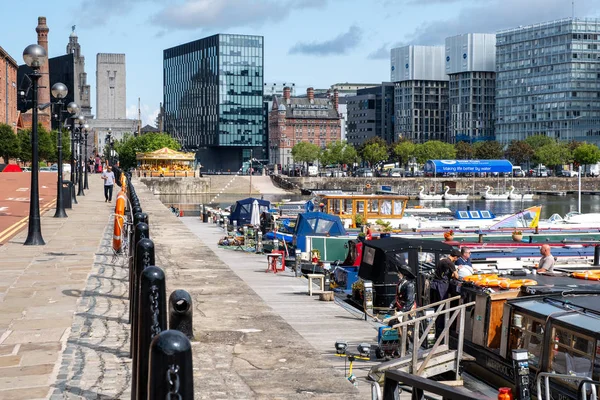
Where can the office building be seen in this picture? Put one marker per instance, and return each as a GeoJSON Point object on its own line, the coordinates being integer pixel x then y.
{"type": "Point", "coordinates": [8, 90]}
{"type": "Point", "coordinates": [371, 114]}
{"type": "Point", "coordinates": [547, 81]}
{"type": "Point", "coordinates": [470, 66]}
{"type": "Point", "coordinates": [111, 86]}
{"type": "Point", "coordinates": [421, 93]}
{"type": "Point", "coordinates": [301, 119]}
{"type": "Point", "coordinates": [213, 99]}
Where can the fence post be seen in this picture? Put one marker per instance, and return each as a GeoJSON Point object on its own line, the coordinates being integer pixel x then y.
{"type": "Point", "coordinates": [144, 258]}
{"type": "Point", "coordinates": [152, 314]}
{"type": "Point", "coordinates": [180, 313]}
{"type": "Point", "coordinates": [142, 231]}
{"type": "Point", "coordinates": [171, 369]}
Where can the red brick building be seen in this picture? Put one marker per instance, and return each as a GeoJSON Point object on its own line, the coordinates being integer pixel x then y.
{"type": "Point", "coordinates": [8, 90]}
{"type": "Point", "coordinates": [301, 119]}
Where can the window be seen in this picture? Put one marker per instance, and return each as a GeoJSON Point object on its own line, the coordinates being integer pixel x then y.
{"type": "Point", "coordinates": [527, 333]}
{"type": "Point", "coordinates": [571, 354]}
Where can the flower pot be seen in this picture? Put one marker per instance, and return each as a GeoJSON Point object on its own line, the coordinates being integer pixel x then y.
{"type": "Point", "coordinates": [517, 238]}
{"type": "Point", "coordinates": [448, 238]}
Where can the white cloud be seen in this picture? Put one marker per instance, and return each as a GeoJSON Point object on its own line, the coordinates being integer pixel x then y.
{"type": "Point", "coordinates": [148, 113]}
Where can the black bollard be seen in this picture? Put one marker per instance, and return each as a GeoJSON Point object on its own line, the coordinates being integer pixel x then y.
{"type": "Point", "coordinates": [144, 252]}
{"type": "Point", "coordinates": [180, 313]}
{"type": "Point", "coordinates": [141, 231]}
{"type": "Point", "coordinates": [137, 218]}
{"type": "Point", "coordinates": [171, 367]}
{"type": "Point", "coordinates": [152, 314]}
{"type": "Point", "coordinates": [597, 256]}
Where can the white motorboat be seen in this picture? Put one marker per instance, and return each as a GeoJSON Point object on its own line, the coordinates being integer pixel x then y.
{"type": "Point", "coordinates": [426, 196]}
{"type": "Point", "coordinates": [492, 196]}
{"type": "Point", "coordinates": [519, 196]}
{"type": "Point", "coordinates": [573, 219]}
{"type": "Point", "coordinates": [454, 197]}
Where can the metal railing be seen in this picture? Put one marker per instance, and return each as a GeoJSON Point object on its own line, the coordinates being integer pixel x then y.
{"type": "Point", "coordinates": [582, 390]}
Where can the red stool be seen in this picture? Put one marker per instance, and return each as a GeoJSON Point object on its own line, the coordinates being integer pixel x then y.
{"type": "Point", "coordinates": [273, 259]}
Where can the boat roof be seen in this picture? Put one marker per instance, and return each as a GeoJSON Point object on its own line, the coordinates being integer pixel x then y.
{"type": "Point", "coordinates": [366, 196]}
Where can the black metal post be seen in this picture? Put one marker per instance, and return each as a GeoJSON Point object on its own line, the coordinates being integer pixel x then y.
{"type": "Point", "coordinates": [80, 191]}
{"type": "Point", "coordinates": [152, 313]}
{"type": "Point", "coordinates": [34, 230]}
{"type": "Point", "coordinates": [73, 151]}
{"type": "Point", "coordinates": [145, 258]}
{"type": "Point", "coordinates": [180, 313]}
{"type": "Point", "coordinates": [596, 256]}
{"type": "Point", "coordinates": [171, 367]}
{"type": "Point", "coordinates": [142, 231]}
{"type": "Point", "coordinates": [86, 163]}
{"type": "Point", "coordinates": [60, 209]}
{"type": "Point", "coordinates": [76, 156]}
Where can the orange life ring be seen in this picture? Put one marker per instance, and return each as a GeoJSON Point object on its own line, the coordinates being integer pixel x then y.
{"type": "Point", "coordinates": [475, 278]}
{"type": "Point", "coordinates": [491, 282]}
{"type": "Point", "coordinates": [368, 186]}
{"type": "Point", "coordinates": [119, 221]}
{"type": "Point", "coordinates": [516, 283]}
{"type": "Point", "coordinates": [593, 275]}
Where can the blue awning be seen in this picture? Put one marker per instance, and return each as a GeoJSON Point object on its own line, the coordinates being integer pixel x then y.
{"type": "Point", "coordinates": [468, 166]}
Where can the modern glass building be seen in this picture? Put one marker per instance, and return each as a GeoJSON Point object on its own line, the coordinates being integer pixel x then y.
{"type": "Point", "coordinates": [213, 99]}
{"type": "Point", "coordinates": [370, 114]}
{"type": "Point", "coordinates": [548, 81]}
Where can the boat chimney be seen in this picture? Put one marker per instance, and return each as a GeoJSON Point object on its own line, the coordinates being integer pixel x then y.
{"type": "Point", "coordinates": [596, 256]}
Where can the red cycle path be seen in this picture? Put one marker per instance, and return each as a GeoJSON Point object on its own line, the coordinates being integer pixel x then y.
{"type": "Point", "coordinates": [14, 200]}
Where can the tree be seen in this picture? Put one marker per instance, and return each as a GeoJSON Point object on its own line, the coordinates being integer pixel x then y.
{"type": "Point", "coordinates": [519, 152]}
{"type": "Point", "coordinates": [46, 147]}
{"type": "Point", "coordinates": [130, 145]}
{"type": "Point", "coordinates": [585, 154]}
{"type": "Point", "coordinates": [374, 150]}
{"type": "Point", "coordinates": [488, 150]}
{"type": "Point", "coordinates": [338, 152]}
{"type": "Point", "coordinates": [9, 143]}
{"type": "Point", "coordinates": [537, 141]}
{"type": "Point", "coordinates": [464, 151]}
{"type": "Point", "coordinates": [553, 154]}
{"type": "Point", "coordinates": [24, 137]}
{"type": "Point", "coordinates": [306, 152]}
{"type": "Point", "coordinates": [404, 150]}
{"type": "Point", "coordinates": [434, 150]}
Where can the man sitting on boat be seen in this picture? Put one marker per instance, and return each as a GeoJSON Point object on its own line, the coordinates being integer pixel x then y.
{"type": "Point", "coordinates": [546, 263]}
{"type": "Point", "coordinates": [463, 264]}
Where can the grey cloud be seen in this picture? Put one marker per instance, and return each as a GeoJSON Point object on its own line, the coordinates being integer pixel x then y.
{"type": "Point", "coordinates": [99, 12]}
{"type": "Point", "coordinates": [338, 45]}
{"type": "Point", "coordinates": [223, 14]}
{"type": "Point", "coordinates": [382, 53]}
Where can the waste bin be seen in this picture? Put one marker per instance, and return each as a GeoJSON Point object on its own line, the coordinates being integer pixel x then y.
{"type": "Point", "coordinates": [204, 216]}
{"type": "Point", "coordinates": [67, 188]}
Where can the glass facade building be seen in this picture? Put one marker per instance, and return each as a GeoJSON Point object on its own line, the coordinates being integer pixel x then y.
{"type": "Point", "coordinates": [548, 81]}
{"type": "Point", "coordinates": [213, 99]}
{"type": "Point", "coordinates": [370, 114]}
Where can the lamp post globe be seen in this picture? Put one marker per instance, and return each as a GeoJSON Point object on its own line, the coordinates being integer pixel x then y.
{"type": "Point", "coordinates": [86, 128]}
{"type": "Point", "coordinates": [34, 56]}
{"type": "Point", "coordinates": [72, 108]}
{"type": "Point", "coordinates": [59, 91]}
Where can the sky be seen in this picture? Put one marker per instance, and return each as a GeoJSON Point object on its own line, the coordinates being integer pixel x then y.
{"type": "Point", "coordinates": [308, 42]}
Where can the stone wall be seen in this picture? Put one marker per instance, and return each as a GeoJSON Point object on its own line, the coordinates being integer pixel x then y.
{"type": "Point", "coordinates": [209, 184]}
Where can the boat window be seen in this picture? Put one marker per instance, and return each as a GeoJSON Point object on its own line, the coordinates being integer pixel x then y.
{"type": "Point", "coordinates": [426, 262]}
{"type": "Point", "coordinates": [374, 206]}
{"type": "Point", "coordinates": [485, 214]}
{"type": "Point", "coordinates": [474, 214]}
{"type": "Point", "coordinates": [312, 222]}
{"type": "Point", "coordinates": [323, 226]}
{"type": "Point", "coordinates": [570, 354]}
{"type": "Point", "coordinates": [527, 333]}
{"type": "Point", "coordinates": [386, 207]}
{"type": "Point", "coordinates": [348, 206]}
{"type": "Point", "coordinates": [398, 207]}
{"type": "Point", "coordinates": [463, 214]}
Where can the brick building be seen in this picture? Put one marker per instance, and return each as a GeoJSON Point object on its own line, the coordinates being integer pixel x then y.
{"type": "Point", "coordinates": [8, 90]}
{"type": "Point", "coordinates": [301, 119]}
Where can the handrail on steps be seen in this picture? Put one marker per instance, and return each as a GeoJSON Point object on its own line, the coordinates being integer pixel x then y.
{"type": "Point", "coordinates": [584, 381]}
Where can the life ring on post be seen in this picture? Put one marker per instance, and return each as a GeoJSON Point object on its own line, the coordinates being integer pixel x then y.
{"type": "Point", "coordinates": [368, 186]}
{"type": "Point", "coordinates": [119, 221]}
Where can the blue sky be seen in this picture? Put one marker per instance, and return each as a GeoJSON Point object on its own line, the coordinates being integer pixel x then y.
{"type": "Point", "coordinates": [309, 42]}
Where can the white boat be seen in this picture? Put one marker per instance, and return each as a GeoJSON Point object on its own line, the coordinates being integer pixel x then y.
{"type": "Point", "coordinates": [425, 196]}
{"type": "Point", "coordinates": [454, 197]}
{"type": "Point", "coordinates": [573, 219]}
{"type": "Point", "coordinates": [491, 196]}
{"type": "Point", "coordinates": [519, 196]}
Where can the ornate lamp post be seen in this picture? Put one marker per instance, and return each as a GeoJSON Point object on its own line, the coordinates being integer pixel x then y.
{"type": "Point", "coordinates": [59, 92]}
{"type": "Point", "coordinates": [110, 144]}
{"type": "Point", "coordinates": [81, 123]}
{"type": "Point", "coordinates": [34, 56]}
{"type": "Point", "coordinates": [86, 127]}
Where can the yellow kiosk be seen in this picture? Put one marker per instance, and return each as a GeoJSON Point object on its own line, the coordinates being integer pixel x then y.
{"type": "Point", "coordinates": [165, 162]}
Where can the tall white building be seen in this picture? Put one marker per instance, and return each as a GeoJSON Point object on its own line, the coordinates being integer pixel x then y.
{"type": "Point", "coordinates": [421, 93]}
{"type": "Point", "coordinates": [111, 87]}
{"type": "Point", "coordinates": [470, 65]}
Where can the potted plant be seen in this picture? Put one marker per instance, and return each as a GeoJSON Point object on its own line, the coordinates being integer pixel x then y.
{"type": "Point", "coordinates": [358, 220]}
{"type": "Point", "coordinates": [517, 236]}
{"type": "Point", "coordinates": [449, 235]}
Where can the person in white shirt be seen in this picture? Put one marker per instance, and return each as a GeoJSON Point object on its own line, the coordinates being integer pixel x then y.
{"type": "Point", "coordinates": [109, 180]}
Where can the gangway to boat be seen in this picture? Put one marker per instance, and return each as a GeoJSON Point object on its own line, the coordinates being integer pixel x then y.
{"type": "Point", "coordinates": [586, 385]}
{"type": "Point", "coordinates": [440, 358]}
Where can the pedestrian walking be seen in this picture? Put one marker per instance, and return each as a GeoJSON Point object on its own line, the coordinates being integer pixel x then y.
{"type": "Point", "coordinates": [109, 180]}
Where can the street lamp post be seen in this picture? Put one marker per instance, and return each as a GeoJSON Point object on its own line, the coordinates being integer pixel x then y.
{"type": "Point", "coordinates": [109, 142]}
{"type": "Point", "coordinates": [86, 127]}
{"type": "Point", "coordinates": [34, 56]}
{"type": "Point", "coordinates": [81, 123]}
{"type": "Point", "coordinates": [59, 91]}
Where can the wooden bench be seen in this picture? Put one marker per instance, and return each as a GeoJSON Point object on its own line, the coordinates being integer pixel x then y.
{"type": "Point", "coordinates": [310, 282]}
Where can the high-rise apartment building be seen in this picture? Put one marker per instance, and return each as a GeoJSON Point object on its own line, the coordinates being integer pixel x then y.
{"type": "Point", "coordinates": [213, 98]}
{"type": "Point", "coordinates": [547, 81]}
{"type": "Point", "coordinates": [111, 86]}
{"type": "Point", "coordinates": [371, 114]}
{"type": "Point", "coordinates": [470, 66]}
{"type": "Point", "coordinates": [421, 93]}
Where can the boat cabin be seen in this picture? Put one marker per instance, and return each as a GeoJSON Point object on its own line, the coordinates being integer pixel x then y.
{"type": "Point", "coordinates": [359, 209]}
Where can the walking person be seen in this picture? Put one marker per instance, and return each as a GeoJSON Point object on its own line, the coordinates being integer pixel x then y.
{"type": "Point", "coordinates": [109, 180]}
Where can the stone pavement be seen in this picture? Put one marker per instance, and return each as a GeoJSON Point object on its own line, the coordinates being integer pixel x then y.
{"type": "Point", "coordinates": [49, 302]}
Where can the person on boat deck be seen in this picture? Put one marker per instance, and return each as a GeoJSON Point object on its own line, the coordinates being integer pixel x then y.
{"type": "Point", "coordinates": [546, 263]}
{"type": "Point", "coordinates": [464, 264]}
{"type": "Point", "coordinates": [446, 268]}
{"type": "Point", "coordinates": [440, 285]}
{"type": "Point", "coordinates": [405, 298]}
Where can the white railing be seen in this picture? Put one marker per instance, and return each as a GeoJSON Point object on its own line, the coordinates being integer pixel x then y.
{"type": "Point", "coordinates": [582, 391]}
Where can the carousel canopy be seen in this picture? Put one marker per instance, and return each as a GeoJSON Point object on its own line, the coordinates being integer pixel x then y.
{"type": "Point", "coordinates": [165, 154]}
